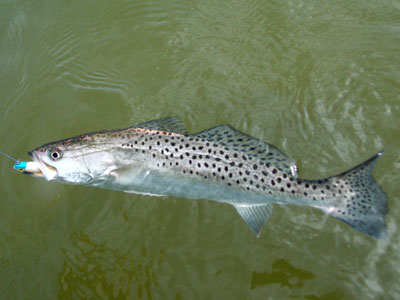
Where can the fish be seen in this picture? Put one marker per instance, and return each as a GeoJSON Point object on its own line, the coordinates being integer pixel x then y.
{"type": "Point", "coordinates": [222, 164]}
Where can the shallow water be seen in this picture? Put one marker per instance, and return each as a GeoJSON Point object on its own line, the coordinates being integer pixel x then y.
{"type": "Point", "coordinates": [319, 80]}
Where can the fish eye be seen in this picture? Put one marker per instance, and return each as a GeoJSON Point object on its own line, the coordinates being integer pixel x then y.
{"type": "Point", "coordinates": [55, 154]}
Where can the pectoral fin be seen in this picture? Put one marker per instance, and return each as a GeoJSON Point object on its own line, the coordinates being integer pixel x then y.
{"type": "Point", "coordinates": [255, 215]}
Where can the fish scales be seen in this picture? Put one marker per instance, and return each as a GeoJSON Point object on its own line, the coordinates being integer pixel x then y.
{"type": "Point", "coordinates": [204, 160]}
{"type": "Point", "coordinates": [221, 164]}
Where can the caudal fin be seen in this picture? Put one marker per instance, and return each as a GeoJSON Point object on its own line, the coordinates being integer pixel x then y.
{"type": "Point", "coordinates": [362, 203]}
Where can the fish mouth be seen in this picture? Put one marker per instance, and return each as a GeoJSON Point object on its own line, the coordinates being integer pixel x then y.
{"type": "Point", "coordinates": [40, 168]}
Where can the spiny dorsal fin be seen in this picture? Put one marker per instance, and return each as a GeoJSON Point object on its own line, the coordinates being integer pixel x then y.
{"type": "Point", "coordinates": [255, 215]}
{"type": "Point", "coordinates": [229, 137]}
{"type": "Point", "coordinates": [169, 124]}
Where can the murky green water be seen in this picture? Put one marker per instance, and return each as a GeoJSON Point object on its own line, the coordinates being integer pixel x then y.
{"type": "Point", "coordinates": [318, 79]}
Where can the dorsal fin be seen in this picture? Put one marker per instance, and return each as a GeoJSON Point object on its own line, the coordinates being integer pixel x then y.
{"type": "Point", "coordinates": [169, 124]}
{"type": "Point", "coordinates": [229, 137]}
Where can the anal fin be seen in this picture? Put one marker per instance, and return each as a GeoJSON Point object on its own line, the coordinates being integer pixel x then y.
{"type": "Point", "coordinates": [255, 215]}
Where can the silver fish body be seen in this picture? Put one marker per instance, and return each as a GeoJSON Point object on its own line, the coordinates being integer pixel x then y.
{"type": "Point", "coordinates": [220, 164]}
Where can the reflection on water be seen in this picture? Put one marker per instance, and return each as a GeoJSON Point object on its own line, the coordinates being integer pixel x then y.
{"type": "Point", "coordinates": [95, 270]}
{"type": "Point", "coordinates": [283, 274]}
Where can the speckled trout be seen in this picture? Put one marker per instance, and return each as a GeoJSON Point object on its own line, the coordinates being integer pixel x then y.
{"type": "Point", "coordinates": [220, 164]}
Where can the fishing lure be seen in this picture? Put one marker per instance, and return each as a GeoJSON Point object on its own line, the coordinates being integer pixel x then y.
{"type": "Point", "coordinates": [23, 166]}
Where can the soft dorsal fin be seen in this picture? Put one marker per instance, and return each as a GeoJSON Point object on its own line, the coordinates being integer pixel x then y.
{"type": "Point", "coordinates": [169, 124]}
{"type": "Point", "coordinates": [229, 137]}
{"type": "Point", "coordinates": [255, 215]}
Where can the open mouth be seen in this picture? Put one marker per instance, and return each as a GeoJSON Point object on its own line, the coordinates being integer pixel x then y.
{"type": "Point", "coordinates": [39, 168]}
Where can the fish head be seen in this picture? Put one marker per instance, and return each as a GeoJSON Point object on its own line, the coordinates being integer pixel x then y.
{"type": "Point", "coordinates": [71, 161]}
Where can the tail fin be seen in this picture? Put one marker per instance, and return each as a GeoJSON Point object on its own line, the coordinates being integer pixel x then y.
{"type": "Point", "coordinates": [363, 204]}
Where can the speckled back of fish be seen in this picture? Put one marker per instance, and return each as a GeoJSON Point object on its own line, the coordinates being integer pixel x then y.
{"type": "Point", "coordinates": [221, 164]}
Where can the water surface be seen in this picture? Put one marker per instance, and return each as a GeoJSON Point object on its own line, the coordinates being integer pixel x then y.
{"type": "Point", "coordinates": [320, 80]}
